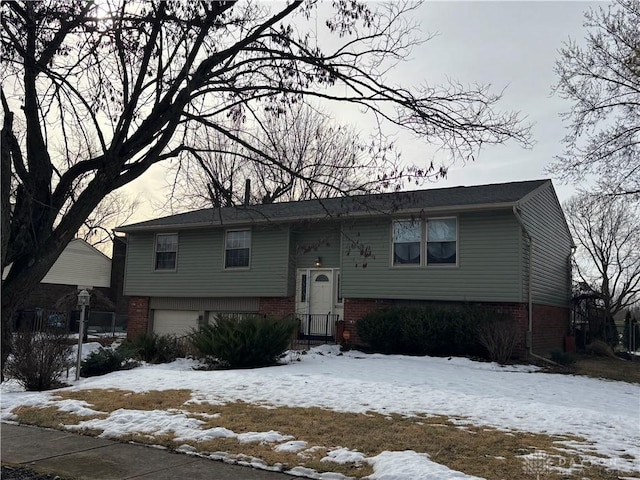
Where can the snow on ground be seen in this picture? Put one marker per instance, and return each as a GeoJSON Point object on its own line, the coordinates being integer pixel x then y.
{"type": "Point", "coordinates": [605, 413]}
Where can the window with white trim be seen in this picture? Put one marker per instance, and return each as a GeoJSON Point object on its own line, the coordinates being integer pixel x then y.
{"type": "Point", "coordinates": [237, 249]}
{"type": "Point", "coordinates": [442, 241]}
{"type": "Point", "coordinates": [166, 251]}
{"type": "Point", "coordinates": [407, 242]}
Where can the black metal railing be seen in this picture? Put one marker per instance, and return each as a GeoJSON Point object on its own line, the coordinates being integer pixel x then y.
{"type": "Point", "coordinates": [317, 328]}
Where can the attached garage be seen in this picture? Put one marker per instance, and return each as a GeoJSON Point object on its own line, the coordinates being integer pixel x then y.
{"type": "Point", "coordinates": [174, 322]}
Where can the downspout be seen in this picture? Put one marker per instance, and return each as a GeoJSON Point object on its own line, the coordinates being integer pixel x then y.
{"type": "Point", "coordinates": [529, 337]}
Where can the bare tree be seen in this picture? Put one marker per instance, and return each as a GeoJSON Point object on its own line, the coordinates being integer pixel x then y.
{"type": "Point", "coordinates": [607, 260]}
{"type": "Point", "coordinates": [141, 77]}
{"type": "Point", "coordinates": [116, 209]}
{"type": "Point", "coordinates": [602, 79]}
{"type": "Point", "coordinates": [321, 159]}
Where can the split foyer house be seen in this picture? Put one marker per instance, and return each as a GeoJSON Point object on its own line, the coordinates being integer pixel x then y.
{"type": "Point", "coordinates": [501, 246]}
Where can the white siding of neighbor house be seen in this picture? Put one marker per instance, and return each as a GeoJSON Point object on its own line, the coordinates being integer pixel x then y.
{"type": "Point", "coordinates": [82, 265]}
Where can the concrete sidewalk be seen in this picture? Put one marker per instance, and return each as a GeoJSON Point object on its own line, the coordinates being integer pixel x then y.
{"type": "Point", "coordinates": [89, 458]}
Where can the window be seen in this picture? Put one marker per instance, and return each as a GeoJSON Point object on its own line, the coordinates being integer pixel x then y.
{"type": "Point", "coordinates": [407, 241]}
{"type": "Point", "coordinates": [338, 291]}
{"type": "Point", "coordinates": [322, 278]}
{"type": "Point", "coordinates": [303, 288]}
{"type": "Point", "coordinates": [237, 249]}
{"type": "Point", "coordinates": [166, 251]}
{"type": "Point", "coordinates": [442, 234]}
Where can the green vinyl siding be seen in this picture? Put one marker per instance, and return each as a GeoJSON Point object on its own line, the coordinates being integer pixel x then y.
{"type": "Point", "coordinates": [313, 240]}
{"type": "Point", "coordinates": [488, 263]}
{"type": "Point", "coordinates": [200, 268]}
{"type": "Point", "coordinates": [545, 222]}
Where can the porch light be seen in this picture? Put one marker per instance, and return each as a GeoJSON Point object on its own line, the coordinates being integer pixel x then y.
{"type": "Point", "coordinates": [318, 262]}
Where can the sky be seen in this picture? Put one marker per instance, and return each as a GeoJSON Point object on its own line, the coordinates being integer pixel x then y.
{"type": "Point", "coordinates": [510, 45]}
{"type": "Point", "coordinates": [512, 398]}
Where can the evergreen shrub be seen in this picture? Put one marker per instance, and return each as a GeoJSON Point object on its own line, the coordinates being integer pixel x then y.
{"type": "Point", "coordinates": [106, 360]}
{"type": "Point", "coordinates": [154, 348]}
{"type": "Point", "coordinates": [433, 330]}
{"type": "Point", "coordinates": [246, 342]}
{"type": "Point", "coordinates": [562, 358]}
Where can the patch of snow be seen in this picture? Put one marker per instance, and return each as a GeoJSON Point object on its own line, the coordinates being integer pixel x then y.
{"type": "Point", "coordinates": [412, 465]}
{"type": "Point", "coordinates": [511, 398]}
{"type": "Point", "coordinates": [263, 437]}
{"type": "Point", "coordinates": [292, 446]}
{"type": "Point", "coordinates": [343, 455]}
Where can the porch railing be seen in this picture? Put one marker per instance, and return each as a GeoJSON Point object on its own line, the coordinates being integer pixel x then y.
{"type": "Point", "coordinates": [317, 328]}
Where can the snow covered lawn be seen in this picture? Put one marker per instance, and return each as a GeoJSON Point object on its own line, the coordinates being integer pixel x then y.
{"type": "Point", "coordinates": [605, 414]}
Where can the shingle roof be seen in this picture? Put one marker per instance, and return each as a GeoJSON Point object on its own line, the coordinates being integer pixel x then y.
{"type": "Point", "coordinates": [498, 194]}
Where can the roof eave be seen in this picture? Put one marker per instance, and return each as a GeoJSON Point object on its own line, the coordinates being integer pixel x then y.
{"type": "Point", "coordinates": [448, 209]}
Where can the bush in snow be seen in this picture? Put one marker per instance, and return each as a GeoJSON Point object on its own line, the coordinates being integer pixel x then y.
{"type": "Point", "coordinates": [39, 358]}
{"type": "Point", "coordinates": [433, 330]}
{"type": "Point", "coordinates": [106, 360]}
{"type": "Point", "coordinates": [499, 335]}
{"type": "Point", "coordinates": [154, 348]}
{"type": "Point", "coordinates": [250, 341]}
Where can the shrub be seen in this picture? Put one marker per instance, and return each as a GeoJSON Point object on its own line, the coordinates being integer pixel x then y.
{"type": "Point", "coordinates": [562, 358]}
{"type": "Point", "coordinates": [251, 341]}
{"type": "Point", "coordinates": [499, 335]}
{"type": "Point", "coordinates": [39, 358]}
{"type": "Point", "coordinates": [154, 348]}
{"type": "Point", "coordinates": [600, 349]}
{"type": "Point", "coordinates": [423, 330]}
{"type": "Point", "coordinates": [105, 360]}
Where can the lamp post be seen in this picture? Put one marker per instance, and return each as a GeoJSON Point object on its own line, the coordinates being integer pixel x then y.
{"type": "Point", "coordinates": [83, 302]}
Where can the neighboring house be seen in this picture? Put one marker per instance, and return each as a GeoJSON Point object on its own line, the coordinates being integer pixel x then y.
{"type": "Point", "coordinates": [79, 266]}
{"type": "Point", "coordinates": [349, 256]}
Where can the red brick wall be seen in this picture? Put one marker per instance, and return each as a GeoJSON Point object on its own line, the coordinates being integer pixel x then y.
{"type": "Point", "coordinates": [355, 309]}
{"type": "Point", "coordinates": [550, 326]}
{"type": "Point", "coordinates": [277, 306]}
{"type": "Point", "coordinates": [138, 321]}
{"type": "Point", "coordinates": [520, 314]}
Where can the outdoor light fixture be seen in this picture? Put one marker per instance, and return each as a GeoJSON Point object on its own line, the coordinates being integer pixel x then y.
{"type": "Point", "coordinates": [83, 303]}
{"type": "Point", "coordinates": [318, 262]}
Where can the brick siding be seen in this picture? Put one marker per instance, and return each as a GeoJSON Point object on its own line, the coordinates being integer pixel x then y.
{"type": "Point", "coordinates": [138, 321]}
{"type": "Point", "coordinates": [550, 326]}
{"type": "Point", "coordinates": [355, 309]}
{"type": "Point", "coordinates": [279, 307]}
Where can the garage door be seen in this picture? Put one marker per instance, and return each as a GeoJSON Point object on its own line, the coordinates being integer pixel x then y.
{"type": "Point", "coordinates": [174, 322]}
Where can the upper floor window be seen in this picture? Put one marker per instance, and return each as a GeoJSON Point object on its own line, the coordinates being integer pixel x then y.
{"type": "Point", "coordinates": [166, 252]}
{"type": "Point", "coordinates": [442, 236]}
{"type": "Point", "coordinates": [407, 241]}
{"type": "Point", "coordinates": [237, 249]}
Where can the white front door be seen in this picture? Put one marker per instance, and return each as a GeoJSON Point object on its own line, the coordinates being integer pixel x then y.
{"type": "Point", "coordinates": [316, 300]}
{"type": "Point", "coordinates": [321, 292]}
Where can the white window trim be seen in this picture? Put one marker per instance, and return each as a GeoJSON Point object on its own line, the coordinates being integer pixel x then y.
{"type": "Point", "coordinates": [426, 243]}
{"type": "Point", "coordinates": [155, 252]}
{"type": "Point", "coordinates": [224, 250]}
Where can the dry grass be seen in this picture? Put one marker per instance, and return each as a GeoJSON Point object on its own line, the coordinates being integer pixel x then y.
{"type": "Point", "coordinates": [610, 368]}
{"type": "Point", "coordinates": [113, 399]}
{"type": "Point", "coordinates": [481, 451]}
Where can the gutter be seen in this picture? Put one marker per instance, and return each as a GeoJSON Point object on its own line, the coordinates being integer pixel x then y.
{"type": "Point", "coordinates": [529, 337]}
{"type": "Point", "coordinates": [326, 215]}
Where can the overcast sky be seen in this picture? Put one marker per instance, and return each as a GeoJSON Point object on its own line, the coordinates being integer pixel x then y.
{"type": "Point", "coordinates": [506, 44]}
